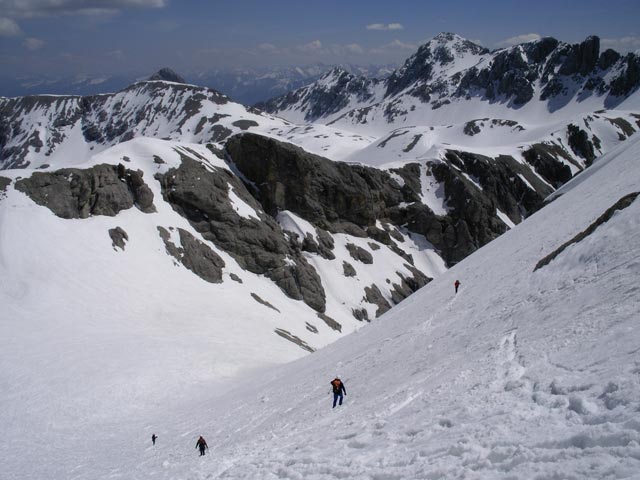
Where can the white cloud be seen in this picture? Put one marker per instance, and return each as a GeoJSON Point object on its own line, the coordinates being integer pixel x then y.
{"type": "Point", "coordinates": [396, 45]}
{"type": "Point", "coordinates": [116, 54]}
{"type": "Point", "coordinates": [317, 48]}
{"type": "Point", "coordinates": [388, 26]}
{"type": "Point", "coordinates": [626, 44]}
{"type": "Point", "coordinates": [39, 8]}
{"type": "Point", "coordinates": [527, 37]}
{"type": "Point", "coordinates": [9, 28]}
{"type": "Point", "coordinates": [354, 48]}
{"type": "Point", "coordinates": [314, 46]}
{"type": "Point", "coordinates": [33, 43]}
{"type": "Point", "coordinates": [267, 48]}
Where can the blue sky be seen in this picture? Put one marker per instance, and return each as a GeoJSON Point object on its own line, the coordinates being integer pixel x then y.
{"type": "Point", "coordinates": [128, 36]}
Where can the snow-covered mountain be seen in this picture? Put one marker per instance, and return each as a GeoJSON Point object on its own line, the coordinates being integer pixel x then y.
{"type": "Point", "coordinates": [163, 241]}
{"type": "Point", "coordinates": [450, 76]}
{"type": "Point", "coordinates": [244, 85]}
{"type": "Point", "coordinates": [530, 371]}
{"type": "Point", "coordinates": [59, 130]}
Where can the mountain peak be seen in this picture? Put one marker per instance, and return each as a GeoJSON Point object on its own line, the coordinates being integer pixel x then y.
{"type": "Point", "coordinates": [336, 72]}
{"type": "Point", "coordinates": [445, 37]}
{"type": "Point", "coordinates": [167, 75]}
{"type": "Point", "coordinates": [456, 43]}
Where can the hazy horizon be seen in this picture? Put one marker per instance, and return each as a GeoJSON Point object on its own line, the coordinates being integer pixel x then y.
{"type": "Point", "coordinates": [131, 37]}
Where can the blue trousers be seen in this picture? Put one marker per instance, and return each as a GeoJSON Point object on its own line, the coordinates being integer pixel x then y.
{"type": "Point", "coordinates": [337, 396]}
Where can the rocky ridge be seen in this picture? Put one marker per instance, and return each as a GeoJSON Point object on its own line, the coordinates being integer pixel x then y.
{"type": "Point", "coordinates": [449, 69]}
{"type": "Point", "coordinates": [433, 195]}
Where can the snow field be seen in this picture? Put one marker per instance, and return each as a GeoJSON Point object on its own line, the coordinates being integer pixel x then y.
{"type": "Point", "coordinates": [519, 375]}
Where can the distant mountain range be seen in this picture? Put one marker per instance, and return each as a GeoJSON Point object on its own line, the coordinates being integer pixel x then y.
{"type": "Point", "coordinates": [243, 85]}
{"type": "Point", "coordinates": [450, 76]}
{"type": "Point", "coordinates": [290, 229]}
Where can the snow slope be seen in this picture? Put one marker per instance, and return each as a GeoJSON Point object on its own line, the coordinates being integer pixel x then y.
{"type": "Point", "coordinates": [519, 375]}
{"type": "Point", "coordinates": [92, 336]}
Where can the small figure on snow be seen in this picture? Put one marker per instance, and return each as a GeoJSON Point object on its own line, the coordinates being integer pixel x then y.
{"type": "Point", "coordinates": [153, 438]}
{"type": "Point", "coordinates": [456, 284]}
{"type": "Point", "coordinates": [338, 390]}
{"type": "Point", "coordinates": [202, 445]}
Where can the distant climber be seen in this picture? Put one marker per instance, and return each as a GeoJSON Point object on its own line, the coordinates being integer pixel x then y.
{"type": "Point", "coordinates": [202, 445]}
{"type": "Point", "coordinates": [153, 438]}
{"type": "Point", "coordinates": [456, 284]}
{"type": "Point", "coordinates": [338, 390]}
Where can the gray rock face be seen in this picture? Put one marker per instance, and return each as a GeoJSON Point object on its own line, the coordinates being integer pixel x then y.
{"type": "Point", "coordinates": [419, 67]}
{"type": "Point", "coordinates": [331, 323]}
{"type": "Point", "coordinates": [360, 314]}
{"type": "Point", "coordinates": [349, 198]}
{"type": "Point", "coordinates": [629, 80]}
{"type": "Point", "coordinates": [194, 255]}
{"type": "Point", "coordinates": [374, 295]}
{"type": "Point", "coordinates": [580, 143]}
{"type": "Point", "coordinates": [258, 245]}
{"type": "Point", "coordinates": [408, 284]}
{"type": "Point", "coordinates": [294, 339]}
{"type": "Point", "coordinates": [509, 76]}
{"type": "Point", "coordinates": [334, 91]}
{"type": "Point", "coordinates": [257, 298]}
{"type": "Point", "coordinates": [200, 259]}
{"type": "Point", "coordinates": [245, 124]}
{"type": "Point", "coordinates": [502, 184]}
{"type": "Point", "coordinates": [118, 238]}
{"type": "Point", "coordinates": [348, 269]}
{"type": "Point", "coordinates": [621, 204]}
{"type": "Point", "coordinates": [544, 159]}
{"type": "Point", "coordinates": [167, 75]}
{"type": "Point", "coordinates": [99, 190]}
{"type": "Point", "coordinates": [326, 193]}
{"type": "Point", "coordinates": [104, 119]}
{"type": "Point", "coordinates": [359, 253]}
{"type": "Point", "coordinates": [4, 183]}
{"type": "Point", "coordinates": [322, 246]}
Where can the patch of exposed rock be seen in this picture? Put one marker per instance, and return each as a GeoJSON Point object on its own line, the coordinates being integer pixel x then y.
{"type": "Point", "coordinates": [258, 245]}
{"type": "Point", "coordinates": [341, 197]}
{"type": "Point", "coordinates": [258, 299]}
{"type": "Point", "coordinates": [119, 238]}
{"type": "Point", "coordinates": [4, 183]}
{"type": "Point", "coordinates": [194, 255]}
{"type": "Point", "coordinates": [544, 159]}
{"type": "Point", "coordinates": [331, 323]}
{"type": "Point", "coordinates": [359, 253]}
{"type": "Point", "coordinates": [167, 75]}
{"type": "Point", "coordinates": [621, 204]}
{"type": "Point", "coordinates": [473, 200]}
{"type": "Point", "coordinates": [294, 339]}
{"type": "Point", "coordinates": [329, 194]}
{"type": "Point", "coordinates": [99, 190]}
{"type": "Point", "coordinates": [373, 295]}
{"type": "Point", "coordinates": [348, 269]}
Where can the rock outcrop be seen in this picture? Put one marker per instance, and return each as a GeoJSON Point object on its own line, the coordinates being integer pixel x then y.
{"type": "Point", "coordinates": [334, 196]}
{"type": "Point", "coordinates": [167, 75]}
{"type": "Point", "coordinates": [256, 243]}
{"type": "Point", "coordinates": [194, 255]}
{"type": "Point", "coordinates": [99, 190]}
{"type": "Point", "coordinates": [349, 198]}
{"type": "Point", "coordinates": [511, 76]}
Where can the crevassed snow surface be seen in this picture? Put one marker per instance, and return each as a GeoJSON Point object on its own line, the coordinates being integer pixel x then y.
{"type": "Point", "coordinates": [519, 375]}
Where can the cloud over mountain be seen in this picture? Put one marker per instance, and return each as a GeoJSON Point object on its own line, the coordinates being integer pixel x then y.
{"type": "Point", "coordinates": [383, 26]}
{"type": "Point", "coordinates": [524, 38]}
